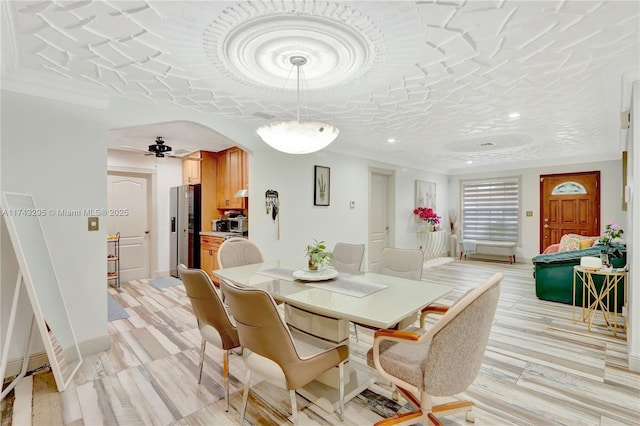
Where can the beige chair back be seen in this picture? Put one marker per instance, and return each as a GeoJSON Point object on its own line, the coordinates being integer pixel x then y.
{"type": "Point", "coordinates": [347, 258]}
{"type": "Point", "coordinates": [263, 331]}
{"type": "Point", "coordinates": [401, 263]}
{"type": "Point", "coordinates": [238, 252]}
{"type": "Point", "coordinates": [459, 340]}
{"type": "Point", "coordinates": [207, 306]}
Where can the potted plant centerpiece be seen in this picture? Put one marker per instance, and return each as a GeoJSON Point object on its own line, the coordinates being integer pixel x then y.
{"type": "Point", "coordinates": [317, 255]}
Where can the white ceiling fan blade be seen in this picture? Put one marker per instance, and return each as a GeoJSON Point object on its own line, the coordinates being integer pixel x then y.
{"type": "Point", "coordinates": [132, 148]}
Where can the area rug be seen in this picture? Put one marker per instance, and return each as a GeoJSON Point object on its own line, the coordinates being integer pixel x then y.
{"type": "Point", "coordinates": [114, 310]}
{"type": "Point", "coordinates": [436, 261]}
{"type": "Point", "coordinates": [165, 282]}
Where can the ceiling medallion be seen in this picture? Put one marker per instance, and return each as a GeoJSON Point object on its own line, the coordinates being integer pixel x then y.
{"type": "Point", "coordinates": [257, 50]}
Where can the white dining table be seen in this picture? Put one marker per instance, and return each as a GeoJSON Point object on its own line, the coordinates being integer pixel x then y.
{"type": "Point", "coordinates": [325, 308]}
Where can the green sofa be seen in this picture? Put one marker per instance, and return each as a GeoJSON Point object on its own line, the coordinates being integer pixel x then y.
{"type": "Point", "coordinates": [554, 275]}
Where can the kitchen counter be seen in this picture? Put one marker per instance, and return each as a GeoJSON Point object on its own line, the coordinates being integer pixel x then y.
{"type": "Point", "coordinates": [224, 235]}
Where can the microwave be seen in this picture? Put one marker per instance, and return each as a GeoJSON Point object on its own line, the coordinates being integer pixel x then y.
{"type": "Point", "coordinates": [239, 225]}
{"type": "Point", "coordinates": [220, 225]}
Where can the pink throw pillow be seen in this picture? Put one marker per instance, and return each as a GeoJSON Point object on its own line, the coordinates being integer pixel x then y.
{"type": "Point", "coordinates": [553, 248]}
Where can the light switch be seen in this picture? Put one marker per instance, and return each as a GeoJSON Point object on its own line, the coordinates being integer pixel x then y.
{"type": "Point", "coordinates": [352, 204]}
{"type": "Point", "coordinates": [529, 213]}
{"type": "Point", "coordinates": [93, 224]}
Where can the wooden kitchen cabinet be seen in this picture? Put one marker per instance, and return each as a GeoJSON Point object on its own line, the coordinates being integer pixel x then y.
{"type": "Point", "coordinates": [209, 254]}
{"type": "Point", "coordinates": [192, 169]}
{"type": "Point", "coordinates": [203, 172]}
{"type": "Point", "coordinates": [232, 177]}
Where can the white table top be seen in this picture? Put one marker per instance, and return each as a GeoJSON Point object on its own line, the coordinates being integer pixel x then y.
{"type": "Point", "coordinates": [382, 309]}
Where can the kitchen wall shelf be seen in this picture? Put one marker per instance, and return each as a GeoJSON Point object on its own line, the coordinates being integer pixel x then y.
{"type": "Point", "coordinates": [113, 259]}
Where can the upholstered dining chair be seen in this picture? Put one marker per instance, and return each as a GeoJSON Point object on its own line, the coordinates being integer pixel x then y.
{"type": "Point", "coordinates": [402, 263]}
{"type": "Point", "coordinates": [441, 361]}
{"type": "Point", "coordinates": [282, 356]}
{"type": "Point", "coordinates": [214, 323]}
{"type": "Point", "coordinates": [347, 258]}
{"type": "Point", "coordinates": [397, 262]}
{"type": "Point", "coordinates": [238, 251]}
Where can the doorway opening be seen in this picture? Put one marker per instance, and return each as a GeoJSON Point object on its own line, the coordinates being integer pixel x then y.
{"type": "Point", "coordinates": [569, 204]}
{"type": "Point", "coordinates": [129, 201]}
{"type": "Point", "coordinates": [381, 213]}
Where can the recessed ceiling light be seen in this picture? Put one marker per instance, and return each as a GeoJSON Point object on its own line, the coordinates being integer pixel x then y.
{"type": "Point", "coordinates": [391, 140]}
{"type": "Point", "coordinates": [514, 115]}
{"type": "Point", "coordinates": [469, 161]}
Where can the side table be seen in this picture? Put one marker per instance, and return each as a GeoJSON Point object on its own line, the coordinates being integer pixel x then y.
{"type": "Point", "coordinates": [594, 298]}
{"type": "Point", "coordinates": [433, 243]}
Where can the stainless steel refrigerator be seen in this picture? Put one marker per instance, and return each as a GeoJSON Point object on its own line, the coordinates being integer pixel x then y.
{"type": "Point", "coordinates": [184, 214]}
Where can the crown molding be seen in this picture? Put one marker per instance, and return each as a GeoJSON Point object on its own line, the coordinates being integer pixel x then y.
{"type": "Point", "coordinates": [30, 82]}
{"type": "Point", "coordinates": [15, 78]}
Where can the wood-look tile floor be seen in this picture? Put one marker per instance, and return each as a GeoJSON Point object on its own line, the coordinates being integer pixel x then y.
{"type": "Point", "coordinates": [539, 368]}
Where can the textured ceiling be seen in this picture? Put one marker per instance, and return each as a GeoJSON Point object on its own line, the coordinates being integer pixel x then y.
{"type": "Point", "coordinates": [441, 78]}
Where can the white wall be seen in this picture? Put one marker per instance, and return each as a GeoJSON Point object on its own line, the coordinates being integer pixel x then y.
{"type": "Point", "coordinates": [529, 245]}
{"type": "Point", "coordinates": [301, 221]}
{"type": "Point", "coordinates": [633, 230]}
{"type": "Point", "coordinates": [164, 173]}
{"type": "Point", "coordinates": [57, 153]}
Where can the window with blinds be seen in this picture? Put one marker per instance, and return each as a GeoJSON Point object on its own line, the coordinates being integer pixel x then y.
{"type": "Point", "coordinates": [491, 209]}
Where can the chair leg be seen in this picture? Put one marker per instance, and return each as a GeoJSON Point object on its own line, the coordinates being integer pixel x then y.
{"type": "Point", "coordinates": [355, 331]}
{"type": "Point", "coordinates": [203, 346]}
{"type": "Point", "coordinates": [225, 378]}
{"type": "Point", "coordinates": [455, 407]}
{"type": "Point", "coordinates": [294, 406]}
{"type": "Point", "coordinates": [245, 397]}
{"type": "Point", "coordinates": [341, 372]}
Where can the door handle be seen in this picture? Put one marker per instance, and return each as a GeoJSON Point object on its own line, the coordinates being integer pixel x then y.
{"type": "Point", "coordinates": [546, 226]}
{"type": "Point", "coordinates": [146, 232]}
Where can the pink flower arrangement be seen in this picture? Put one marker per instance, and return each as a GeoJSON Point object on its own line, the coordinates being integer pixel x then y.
{"type": "Point", "coordinates": [427, 214]}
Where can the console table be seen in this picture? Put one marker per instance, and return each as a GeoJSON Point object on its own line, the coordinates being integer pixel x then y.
{"type": "Point", "coordinates": [594, 299]}
{"type": "Point", "coordinates": [434, 243]}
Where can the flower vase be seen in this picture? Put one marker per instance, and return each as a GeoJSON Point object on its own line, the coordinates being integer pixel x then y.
{"type": "Point", "coordinates": [604, 257]}
{"type": "Point", "coordinates": [312, 265]}
{"type": "Point", "coordinates": [423, 227]}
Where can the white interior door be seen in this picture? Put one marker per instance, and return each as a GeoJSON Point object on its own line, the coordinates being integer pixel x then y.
{"type": "Point", "coordinates": [379, 195]}
{"type": "Point", "coordinates": [128, 194]}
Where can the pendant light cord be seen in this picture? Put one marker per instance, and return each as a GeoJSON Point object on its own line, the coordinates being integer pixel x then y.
{"type": "Point", "coordinates": [298, 92]}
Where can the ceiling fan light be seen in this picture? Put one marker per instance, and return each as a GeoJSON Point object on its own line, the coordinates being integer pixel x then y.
{"type": "Point", "coordinates": [298, 137]}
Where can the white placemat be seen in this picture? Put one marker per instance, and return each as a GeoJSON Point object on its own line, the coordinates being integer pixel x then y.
{"type": "Point", "coordinates": [279, 273]}
{"type": "Point", "coordinates": [349, 287]}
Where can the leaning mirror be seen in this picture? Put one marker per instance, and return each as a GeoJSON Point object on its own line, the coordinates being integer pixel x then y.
{"type": "Point", "coordinates": [40, 280]}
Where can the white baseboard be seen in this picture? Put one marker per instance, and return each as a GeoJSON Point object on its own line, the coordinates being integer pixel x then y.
{"type": "Point", "coordinates": [161, 274]}
{"type": "Point", "coordinates": [88, 347]}
{"type": "Point", "coordinates": [634, 362]}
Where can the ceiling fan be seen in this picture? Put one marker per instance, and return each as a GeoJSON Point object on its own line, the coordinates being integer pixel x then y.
{"type": "Point", "coordinates": [159, 149]}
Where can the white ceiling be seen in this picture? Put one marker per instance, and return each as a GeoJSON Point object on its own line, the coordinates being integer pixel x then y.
{"type": "Point", "coordinates": [441, 78]}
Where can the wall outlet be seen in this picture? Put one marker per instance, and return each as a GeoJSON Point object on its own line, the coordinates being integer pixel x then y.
{"type": "Point", "coordinates": [529, 213]}
{"type": "Point", "coordinates": [93, 224]}
{"type": "Point", "coordinates": [352, 204]}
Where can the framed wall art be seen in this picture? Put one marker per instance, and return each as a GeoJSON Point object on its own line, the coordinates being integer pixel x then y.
{"type": "Point", "coordinates": [322, 186]}
{"type": "Point", "coordinates": [425, 194]}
